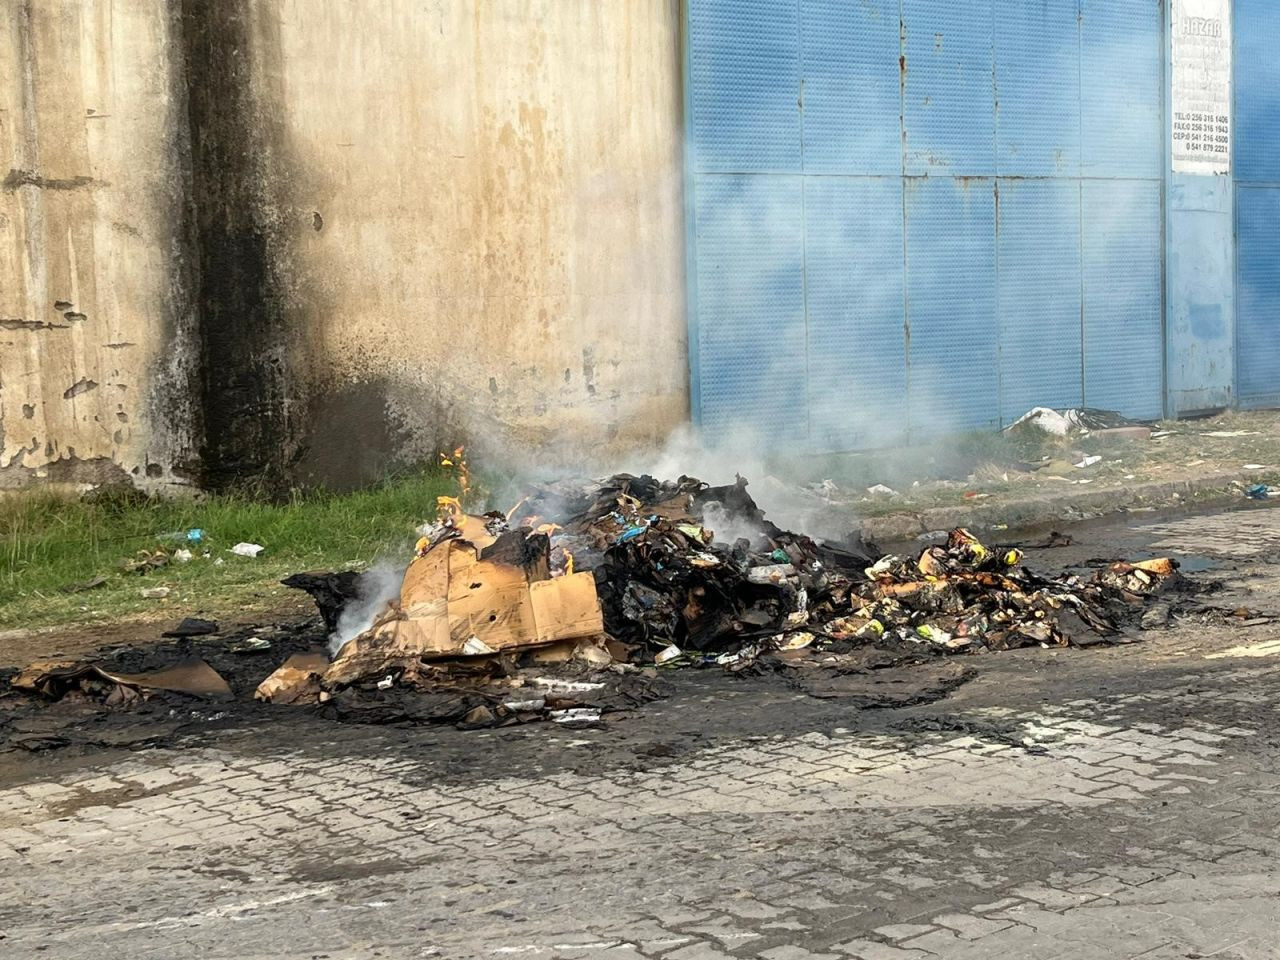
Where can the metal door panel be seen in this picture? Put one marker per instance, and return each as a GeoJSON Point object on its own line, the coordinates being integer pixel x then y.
{"type": "Point", "coordinates": [1038, 88]}
{"type": "Point", "coordinates": [744, 73]}
{"type": "Point", "coordinates": [1039, 295]}
{"type": "Point", "coordinates": [951, 304]}
{"type": "Point", "coordinates": [1123, 330]}
{"type": "Point", "coordinates": [854, 276]}
{"type": "Point", "coordinates": [852, 99]}
{"type": "Point", "coordinates": [949, 98]}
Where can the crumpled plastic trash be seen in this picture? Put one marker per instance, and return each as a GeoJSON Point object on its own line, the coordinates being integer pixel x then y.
{"type": "Point", "coordinates": [1061, 423]}
{"type": "Point", "coordinates": [250, 550]}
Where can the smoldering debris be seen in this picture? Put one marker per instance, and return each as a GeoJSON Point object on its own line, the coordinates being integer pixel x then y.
{"type": "Point", "coordinates": [580, 601]}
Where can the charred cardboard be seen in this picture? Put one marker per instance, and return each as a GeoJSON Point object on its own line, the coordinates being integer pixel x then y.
{"type": "Point", "coordinates": [455, 602]}
{"type": "Point", "coordinates": [54, 679]}
{"type": "Point", "coordinates": [297, 680]}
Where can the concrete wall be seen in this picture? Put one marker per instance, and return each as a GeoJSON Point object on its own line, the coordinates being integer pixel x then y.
{"type": "Point", "coordinates": [493, 243]}
{"type": "Point", "coordinates": [94, 327]}
{"type": "Point", "coordinates": [309, 238]}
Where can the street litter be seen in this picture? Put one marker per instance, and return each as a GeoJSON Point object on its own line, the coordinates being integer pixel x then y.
{"type": "Point", "coordinates": [155, 593]}
{"type": "Point", "coordinates": [192, 627]}
{"type": "Point", "coordinates": [59, 679]}
{"type": "Point", "coordinates": [247, 549]}
{"type": "Point", "coordinates": [565, 607]}
{"type": "Point", "coordinates": [1089, 461]}
{"type": "Point", "coordinates": [1254, 466]}
{"type": "Point", "coordinates": [1260, 491]}
{"type": "Point", "coordinates": [1074, 421]}
{"type": "Point", "coordinates": [183, 555]}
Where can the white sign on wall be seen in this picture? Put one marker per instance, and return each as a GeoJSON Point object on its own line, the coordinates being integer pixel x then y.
{"type": "Point", "coordinates": [1202, 86]}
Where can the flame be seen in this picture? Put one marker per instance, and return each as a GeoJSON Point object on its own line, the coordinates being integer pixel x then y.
{"type": "Point", "coordinates": [456, 463]}
{"type": "Point", "coordinates": [420, 548]}
{"type": "Point", "coordinates": [547, 528]}
{"type": "Point", "coordinates": [568, 564]}
{"type": "Point", "coordinates": [448, 509]}
{"type": "Point", "coordinates": [512, 512]}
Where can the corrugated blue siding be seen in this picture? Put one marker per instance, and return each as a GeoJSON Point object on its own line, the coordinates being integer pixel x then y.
{"type": "Point", "coordinates": [1038, 88]}
{"type": "Point", "coordinates": [949, 99]}
{"type": "Point", "coordinates": [1121, 88]}
{"type": "Point", "coordinates": [1258, 295]}
{"type": "Point", "coordinates": [1123, 331]}
{"type": "Point", "coordinates": [852, 97]}
{"type": "Point", "coordinates": [1039, 295]}
{"type": "Point", "coordinates": [744, 70]}
{"type": "Point", "coordinates": [1257, 162]}
{"type": "Point", "coordinates": [1257, 60]}
{"type": "Point", "coordinates": [850, 278]}
{"type": "Point", "coordinates": [751, 324]}
{"type": "Point", "coordinates": [854, 265]}
{"type": "Point", "coordinates": [951, 304]}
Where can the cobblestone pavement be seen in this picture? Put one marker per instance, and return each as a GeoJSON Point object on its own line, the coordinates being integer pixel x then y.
{"type": "Point", "coordinates": [1118, 803]}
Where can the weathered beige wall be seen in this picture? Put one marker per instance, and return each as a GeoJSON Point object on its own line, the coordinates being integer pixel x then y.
{"type": "Point", "coordinates": [346, 232]}
{"type": "Point", "coordinates": [91, 312]}
{"type": "Point", "coordinates": [500, 252]}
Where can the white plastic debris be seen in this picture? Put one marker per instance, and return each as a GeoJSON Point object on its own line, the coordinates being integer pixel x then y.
{"type": "Point", "coordinates": [525, 706]}
{"type": "Point", "coordinates": [795, 641]}
{"type": "Point", "coordinates": [880, 490]}
{"type": "Point", "coordinates": [155, 593]}
{"type": "Point", "coordinates": [1050, 421]}
{"type": "Point", "coordinates": [1254, 466]}
{"type": "Point", "coordinates": [1089, 461]}
{"type": "Point", "coordinates": [182, 556]}
{"type": "Point", "coordinates": [576, 715]}
{"type": "Point", "coordinates": [475, 647]}
{"type": "Point", "coordinates": [387, 682]}
{"type": "Point", "coordinates": [770, 573]}
{"type": "Point", "coordinates": [667, 655]}
{"type": "Point", "coordinates": [247, 549]}
{"type": "Point", "coordinates": [1231, 434]}
{"type": "Point", "coordinates": [555, 685]}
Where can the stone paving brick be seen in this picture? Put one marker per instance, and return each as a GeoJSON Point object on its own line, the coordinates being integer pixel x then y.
{"type": "Point", "coordinates": [872, 950]}
{"type": "Point", "coordinates": [969, 927]}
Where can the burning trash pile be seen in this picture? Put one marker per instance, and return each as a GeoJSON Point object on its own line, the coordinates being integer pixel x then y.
{"type": "Point", "coordinates": [576, 601]}
{"type": "Point", "coordinates": [635, 573]}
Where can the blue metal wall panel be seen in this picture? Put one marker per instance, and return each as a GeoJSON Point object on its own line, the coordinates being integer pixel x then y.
{"type": "Point", "coordinates": [750, 312]}
{"type": "Point", "coordinates": [949, 98]}
{"type": "Point", "coordinates": [798, 283]}
{"type": "Point", "coordinates": [744, 65]}
{"type": "Point", "coordinates": [951, 304]}
{"type": "Point", "coordinates": [1037, 88]}
{"type": "Point", "coordinates": [854, 270]}
{"type": "Point", "coordinates": [1123, 329]}
{"type": "Point", "coordinates": [852, 95]}
{"type": "Point", "coordinates": [1258, 307]}
{"type": "Point", "coordinates": [1121, 88]}
{"type": "Point", "coordinates": [1257, 165]}
{"type": "Point", "coordinates": [1257, 60]}
{"type": "Point", "coordinates": [1039, 295]}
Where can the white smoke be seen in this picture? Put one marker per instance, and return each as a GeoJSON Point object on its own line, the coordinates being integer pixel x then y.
{"type": "Point", "coordinates": [378, 586]}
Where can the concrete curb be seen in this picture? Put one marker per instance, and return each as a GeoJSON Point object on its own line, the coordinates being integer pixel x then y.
{"type": "Point", "coordinates": [1066, 507]}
